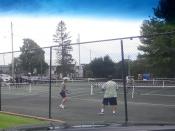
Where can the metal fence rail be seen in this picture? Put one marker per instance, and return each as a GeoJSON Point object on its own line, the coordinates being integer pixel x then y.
{"type": "Point", "coordinates": [40, 87]}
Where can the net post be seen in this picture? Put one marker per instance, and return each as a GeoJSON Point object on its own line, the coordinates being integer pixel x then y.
{"type": "Point", "coordinates": [92, 90]}
{"type": "Point", "coordinates": [30, 88]}
{"type": "Point", "coordinates": [9, 87]}
{"type": "Point", "coordinates": [163, 83]}
{"type": "Point", "coordinates": [133, 90]}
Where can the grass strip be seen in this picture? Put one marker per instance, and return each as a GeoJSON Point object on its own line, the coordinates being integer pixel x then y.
{"type": "Point", "coordinates": [9, 121]}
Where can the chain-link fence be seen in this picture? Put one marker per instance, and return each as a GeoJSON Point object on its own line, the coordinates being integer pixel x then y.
{"type": "Point", "coordinates": [31, 81]}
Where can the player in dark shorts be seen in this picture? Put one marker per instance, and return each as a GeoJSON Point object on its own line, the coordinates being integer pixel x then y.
{"type": "Point", "coordinates": [110, 101]}
{"type": "Point", "coordinates": [110, 96]}
{"type": "Point", "coordinates": [63, 94]}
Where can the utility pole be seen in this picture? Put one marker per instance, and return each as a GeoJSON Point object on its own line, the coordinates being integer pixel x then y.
{"type": "Point", "coordinates": [129, 69]}
{"type": "Point", "coordinates": [90, 55]}
{"type": "Point", "coordinates": [4, 59]}
{"type": "Point", "coordinates": [12, 50]}
{"type": "Point", "coordinates": [78, 41]}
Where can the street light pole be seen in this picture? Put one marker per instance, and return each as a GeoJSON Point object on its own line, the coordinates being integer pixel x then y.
{"type": "Point", "coordinates": [129, 69]}
{"type": "Point", "coordinates": [78, 41]}
{"type": "Point", "coordinates": [12, 50]}
{"type": "Point", "coordinates": [90, 55]}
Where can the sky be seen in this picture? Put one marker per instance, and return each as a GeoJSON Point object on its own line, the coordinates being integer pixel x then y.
{"type": "Point", "coordinates": [91, 19]}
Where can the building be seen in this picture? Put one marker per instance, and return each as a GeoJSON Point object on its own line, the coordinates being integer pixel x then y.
{"type": "Point", "coordinates": [78, 72]}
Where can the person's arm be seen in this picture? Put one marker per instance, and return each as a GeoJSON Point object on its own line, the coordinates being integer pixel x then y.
{"type": "Point", "coordinates": [117, 86]}
{"type": "Point", "coordinates": [62, 86]}
{"type": "Point", "coordinates": [103, 87]}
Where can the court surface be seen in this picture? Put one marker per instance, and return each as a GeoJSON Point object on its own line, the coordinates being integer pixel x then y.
{"type": "Point", "coordinates": [147, 105]}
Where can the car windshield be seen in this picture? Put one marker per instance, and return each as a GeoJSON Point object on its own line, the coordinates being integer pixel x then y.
{"type": "Point", "coordinates": [83, 62]}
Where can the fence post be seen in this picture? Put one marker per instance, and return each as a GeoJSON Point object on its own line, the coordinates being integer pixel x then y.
{"type": "Point", "coordinates": [124, 83]}
{"type": "Point", "coordinates": [50, 82]}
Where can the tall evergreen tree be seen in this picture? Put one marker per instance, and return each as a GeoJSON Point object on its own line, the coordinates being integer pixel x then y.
{"type": "Point", "coordinates": [64, 58]}
{"type": "Point", "coordinates": [166, 10]}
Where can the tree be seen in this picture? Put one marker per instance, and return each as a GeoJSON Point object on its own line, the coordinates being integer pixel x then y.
{"type": "Point", "coordinates": [139, 66]}
{"type": "Point", "coordinates": [32, 58]}
{"type": "Point", "coordinates": [119, 68]}
{"type": "Point", "coordinates": [102, 67]}
{"type": "Point", "coordinates": [64, 58]}
{"type": "Point", "coordinates": [17, 66]}
{"type": "Point", "coordinates": [87, 71]}
{"type": "Point", "coordinates": [166, 10]}
{"type": "Point", "coordinates": [159, 51]}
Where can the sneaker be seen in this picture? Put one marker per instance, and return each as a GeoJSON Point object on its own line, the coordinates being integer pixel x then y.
{"type": "Point", "coordinates": [61, 106]}
{"type": "Point", "coordinates": [101, 113]}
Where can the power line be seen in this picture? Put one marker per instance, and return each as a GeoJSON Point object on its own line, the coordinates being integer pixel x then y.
{"type": "Point", "coordinates": [106, 40]}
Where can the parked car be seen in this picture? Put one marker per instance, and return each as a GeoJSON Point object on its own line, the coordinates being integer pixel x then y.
{"type": "Point", "coordinates": [5, 77]}
{"type": "Point", "coordinates": [66, 78]}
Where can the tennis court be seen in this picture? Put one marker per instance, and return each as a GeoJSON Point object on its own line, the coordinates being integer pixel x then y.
{"type": "Point", "coordinates": [145, 104]}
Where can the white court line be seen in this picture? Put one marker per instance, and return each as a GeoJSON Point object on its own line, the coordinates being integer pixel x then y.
{"type": "Point", "coordinates": [151, 104]}
{"type": "Point", "coordinates": [73, 95]}
{"type": "Point", "coordinates": [152, 92]}
{"type": "Point", "coordinates": [148, 94]}
{"type": "Point", "coordinates": [81, 94]}
{"type": "Point", "coordinates": [135, 103]}
{"type": "Point", "coordinates": [91, 100]}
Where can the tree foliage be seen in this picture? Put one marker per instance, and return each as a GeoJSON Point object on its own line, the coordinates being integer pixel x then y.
{"type": "Point", "coordinates": [31, 59]}
{"type": "Point", "coordinates": [102, 67]}
{"type": "Point", "coordinates": [159, 51]}
{"type": "Point", "coordinates": [64, 58]}
{"type": "Point", "coordinates": [87, 71]}
{"type": "Point", "coordinates": [166, 10]}
{"type": "Point", "coordinates": [139, 66]}
{"type": "Point", "coordinates": [119, 68]}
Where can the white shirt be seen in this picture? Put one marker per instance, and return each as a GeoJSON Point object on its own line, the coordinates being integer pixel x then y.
{"type": "Point", "coordinates": [110, 89]}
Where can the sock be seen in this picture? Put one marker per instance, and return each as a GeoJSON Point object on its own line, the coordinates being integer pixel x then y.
{"type": "Point", "coordinates": [113, 112]}
{"type": "Point", "coordinates": [102, 110]}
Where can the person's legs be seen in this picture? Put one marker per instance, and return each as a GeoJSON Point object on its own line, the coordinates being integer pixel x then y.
{"type": "Point", "coordinates": [102, 108]}
{"type": "Point", "coordinates": [114, 109]}
{"type": "Point", "coordinates": [64, 100]}
{"type": "Point", "coordinates": [104, 103]}
{"type": "Point", "coordinates": [113, 103]}
{"type": "Point", "coordinates": [63, 95]}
